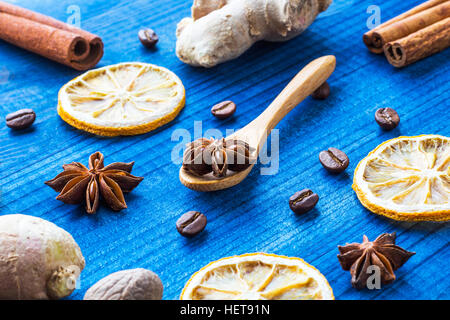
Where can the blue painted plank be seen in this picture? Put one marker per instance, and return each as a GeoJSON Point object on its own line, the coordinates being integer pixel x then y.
{"type": "Point", "coordinates": [253, 216]}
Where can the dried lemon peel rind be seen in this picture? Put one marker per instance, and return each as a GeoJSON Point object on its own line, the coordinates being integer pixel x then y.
{"type": "Point", "coordinates": [413, 182]}
{"type": "Point", "coordinates": [123, 99]}
{"type": "Point", "coordinates": [257, 276]}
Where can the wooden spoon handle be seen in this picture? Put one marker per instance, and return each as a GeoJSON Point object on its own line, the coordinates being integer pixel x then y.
{"type": "Point", "coordinates": [303, 85]}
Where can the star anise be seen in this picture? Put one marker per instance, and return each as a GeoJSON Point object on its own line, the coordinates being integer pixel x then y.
{"type": "Point", "coordinates": [78, 184]}
{"type": "Point", "coordinates": [203, 156]}
{"type": "Point", "coordinates": [383, 253]}
{"type": "Point", "coordinates": [194, 157]}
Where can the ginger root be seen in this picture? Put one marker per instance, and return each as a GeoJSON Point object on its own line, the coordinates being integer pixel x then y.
{"type": "Point", "coordinates": [221, 30]}
{"type": "Point", "coordinates": [38, 260]}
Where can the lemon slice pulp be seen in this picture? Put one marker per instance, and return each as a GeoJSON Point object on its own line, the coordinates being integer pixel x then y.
{"type": "Point", "coordinates": [407, 178]}
{"type": "Point", "coordinates": [122, 99]}
{"type": "Point", "coordinates": [257, 276]}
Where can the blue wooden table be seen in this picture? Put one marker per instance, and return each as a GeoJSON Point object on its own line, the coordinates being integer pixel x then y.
{"type": "Point", "coordinates": [253, 216]}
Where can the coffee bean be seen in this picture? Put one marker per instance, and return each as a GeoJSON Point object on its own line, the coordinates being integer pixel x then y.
{"type": "Point", "coordinates": [303, 201]}
{"type": "Point", "coordinates": [322, 92]}
{"type": "Point", "coordinates": [148, 37]}
{"type": "Point", "coordinates": [20, 119]}
{"type": "Point", "coordinates": [334, 160]}
{"type": "Point", "coordinates": [223, 110]}
{"type": "Point", "coordinates": [191, 223]}
{"type": "Point", "coordinates": [387, 118]}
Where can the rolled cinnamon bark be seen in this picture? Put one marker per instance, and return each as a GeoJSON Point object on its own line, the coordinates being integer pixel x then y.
{"type": "Point", "coordinates": [373, 41]}
{"type": "Point", "coordinates": [412, 24]}
{"type": "Point", "coordinates": [49, 37]}
{"type": "Point", "coordinates": [419, 45]}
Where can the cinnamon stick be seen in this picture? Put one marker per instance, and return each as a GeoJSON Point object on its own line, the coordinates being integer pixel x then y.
{"type": "Point", "coordinates": [414, 23]}
{"type": "Point", "coordinates": [49, 37]}
{"type": "Point", "coordinates": [419, 45]}
{"type": "Point", "coordinates": [375, 44]}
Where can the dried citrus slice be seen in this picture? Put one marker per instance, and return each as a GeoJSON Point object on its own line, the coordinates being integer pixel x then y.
{"type": "Point", "coordinates": [122, 99]}
{"type": "Point", "coordinates": [407, 178]}
{"type": "Point", "coordinates": [257, 276]}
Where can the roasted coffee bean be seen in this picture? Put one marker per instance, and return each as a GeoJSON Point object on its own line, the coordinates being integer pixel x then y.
{"type": "Point", "coordinates": [387, 118]}
{"type": "Point", "coordinates": [303, 201]}
{"type": "Point", "coordinates": [148, 37]}
{"type": "Point", "coordinates": [334, 160]}
{"type": "Point", "coordinates": [322, 92]}
{"type": "Point", "coordinates": [191, 223]}
{"type": "Point", "coordinates": [223, 110]}
{"type": "Point", "coordinates": [20, 119]}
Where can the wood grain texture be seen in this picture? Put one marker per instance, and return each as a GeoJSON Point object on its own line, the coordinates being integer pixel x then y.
{"type": "Point", "coordinates": [254, 215]}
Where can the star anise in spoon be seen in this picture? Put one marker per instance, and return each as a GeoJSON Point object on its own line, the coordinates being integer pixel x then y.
{"type": "Point", "coordinates": [204, 156]}
{"type": "Point", "coordinates": [78, 184]}
{"type": "Point", "coordinates": [382, 253]}
{"type": "Point", "coordinates": [196, 158]}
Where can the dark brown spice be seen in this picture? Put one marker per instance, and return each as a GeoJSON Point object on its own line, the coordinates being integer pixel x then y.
{"type": "Point", "coordinates": [334, 160]}
{"type": "Point", "coordinates": [322, 92]}
{"type": "Point", "coordinates": [387, 118]}
{"type": "Point", "coordinates": [303, 201]}
{"type": "Point", "coordinates": [77, 184]}
{"type": "Point", "coordinates": [148, 37]}
{"type": "Point", "coordinates": [20, 119]}
{"type": "Point", "coordinates": [204, 156]}
{"type": "Point", "coordinates": [382, 253]}
{"type": "Point", "coordinates": [224, 109]}
{"type": "Point", "coordinates": [191, 223]}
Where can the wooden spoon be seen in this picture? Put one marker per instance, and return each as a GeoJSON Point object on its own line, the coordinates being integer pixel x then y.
{"type": "Point", "coordinates": [255, 133]}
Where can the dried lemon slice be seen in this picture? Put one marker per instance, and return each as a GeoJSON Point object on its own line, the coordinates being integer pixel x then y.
{"type": "Point", "coordinates": [257, 276]}
{"type": "Point", "coordinates": [122, 99]}
{"type": "Point", "coordinates": [407, 178]}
